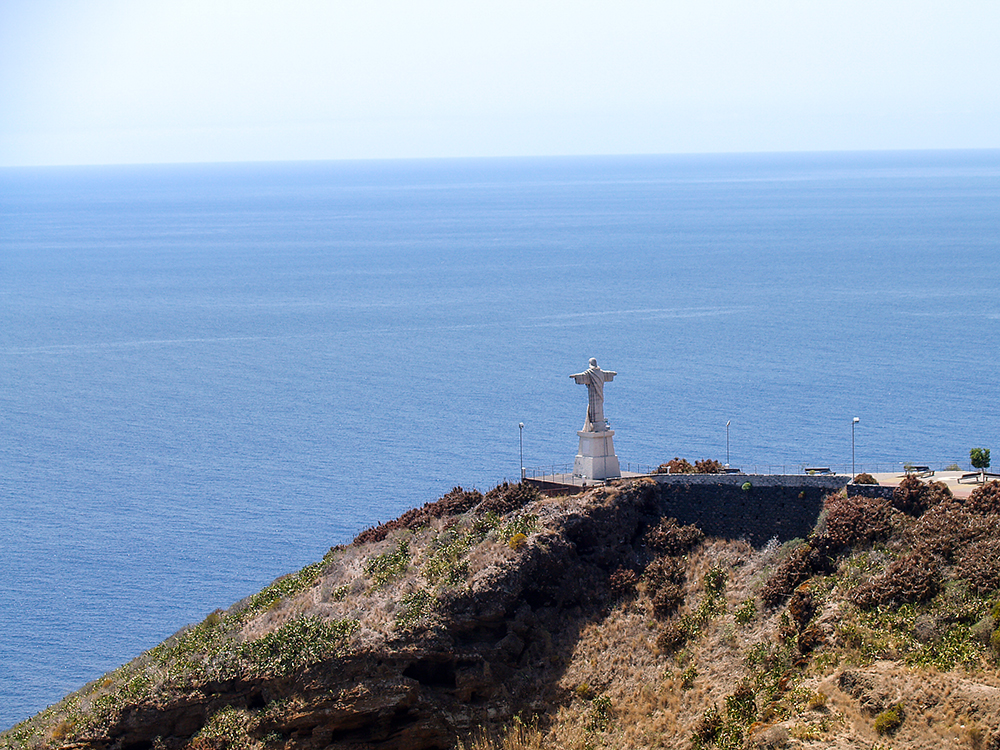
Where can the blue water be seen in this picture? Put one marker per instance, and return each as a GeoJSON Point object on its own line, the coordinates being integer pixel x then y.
{"type": "Point", "coordinates": [211, 374]}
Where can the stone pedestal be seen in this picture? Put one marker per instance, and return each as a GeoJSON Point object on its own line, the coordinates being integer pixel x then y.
{"type": "Point", "coordinates": [596, 457]}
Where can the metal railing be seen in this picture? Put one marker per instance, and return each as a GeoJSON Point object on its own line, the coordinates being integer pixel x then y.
{"type": "Point", "coordinates": [565, 471]}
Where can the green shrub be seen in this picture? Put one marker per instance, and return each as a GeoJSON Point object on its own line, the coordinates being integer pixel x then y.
{"type": "Point", "coordinates": [520, 524]}
{"type": "Point", "coordinates": [413, 607]}
{"type": "Point", "coordinates": [517, 541]}
{"type": "Point", "coordinates": [600, 714]}
{"type": "Point", "coordinates": [980, 458]}
{"type": "Point", "coordinates": [445, 562]}
{"type": "Point", "coordinates": [688, 676]}
{"type": "Point", "coordinates": [339, 594]}
{"type": "Point", "coordinates": [889, 720]}
{"type": "Point", "coordinates": [747, 611]}
{"type": "Point", "coordinates": [295, 645]}
{"type": "Point", "coordinates": [229, 727]}
{"type": "Point", "coordinates": [746, 486]}
{"type": "Point", "coordinates": [741, 705]}
{"type": "Point", "coordinates": [281, 589]}
{"type": "Point", "coordinates": [383, 568]}
{"type": "Point", "coordinates": [715, 581]}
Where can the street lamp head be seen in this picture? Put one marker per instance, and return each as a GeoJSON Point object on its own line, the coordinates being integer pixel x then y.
{"type": "Point", "coordinates": [857, 419]}
{"type": "Point", "coordinates": [520, 425]}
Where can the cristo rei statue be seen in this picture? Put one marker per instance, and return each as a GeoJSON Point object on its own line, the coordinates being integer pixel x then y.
{"type": "Point", "coordinates": [596, 457]}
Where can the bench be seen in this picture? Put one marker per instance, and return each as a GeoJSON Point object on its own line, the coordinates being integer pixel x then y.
{"type": "Point", "coordinates": [918, 471]}
{"type": "Point", "coordinates": [977, 477]}
{"type": "Point", "coordinates": [817, 470]}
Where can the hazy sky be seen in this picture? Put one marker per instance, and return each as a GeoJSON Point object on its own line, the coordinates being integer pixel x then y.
{"type": "Point", "coordinates": [103, 81]}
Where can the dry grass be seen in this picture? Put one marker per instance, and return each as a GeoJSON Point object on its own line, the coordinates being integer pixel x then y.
{"type": "Point", "coordinates": [657, 700]}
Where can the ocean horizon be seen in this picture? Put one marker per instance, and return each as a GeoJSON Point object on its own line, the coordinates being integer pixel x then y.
{"type": "Point", "coordinates": [213, 373]}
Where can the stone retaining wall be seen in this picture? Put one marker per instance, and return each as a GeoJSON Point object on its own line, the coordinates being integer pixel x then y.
{"type": "Point", "coordinates": [781, 507]}
{"type": "Point", "coordinates": [870, 490]}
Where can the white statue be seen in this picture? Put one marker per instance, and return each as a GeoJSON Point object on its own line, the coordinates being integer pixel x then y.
{"type": "Point", "coordinates": [595, 378]}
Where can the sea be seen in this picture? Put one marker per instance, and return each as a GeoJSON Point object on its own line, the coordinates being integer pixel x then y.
{"type": "Point", "coordinates": [210, 374]}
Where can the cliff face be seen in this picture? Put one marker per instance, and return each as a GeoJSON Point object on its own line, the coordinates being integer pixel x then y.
{"type": "Point", "coordinates": [585, 621]}
{"type": "Point", "coordinates": [406, 642]}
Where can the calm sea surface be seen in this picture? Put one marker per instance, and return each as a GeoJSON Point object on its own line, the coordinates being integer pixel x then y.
{"type": "Point", "coordinates": [211, 374]}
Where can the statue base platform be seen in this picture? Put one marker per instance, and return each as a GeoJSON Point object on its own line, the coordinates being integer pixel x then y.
{"type": "Point", "coordinates": [596, 457]}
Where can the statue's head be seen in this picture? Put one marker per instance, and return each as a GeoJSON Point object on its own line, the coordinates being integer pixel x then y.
{"type": "Point", "coordinates": [593, 362]}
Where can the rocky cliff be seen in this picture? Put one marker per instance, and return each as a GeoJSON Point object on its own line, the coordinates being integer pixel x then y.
{"type": "Point", "coordinates": [585, 621]}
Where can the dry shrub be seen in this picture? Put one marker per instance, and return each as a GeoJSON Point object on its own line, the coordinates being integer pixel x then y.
{"type": "Point", "coordinates": [802, 606]}
{"type": "Point", "coordinates": [912, 578]}
{"type": "Point", "coordinates": [506, 497]}
{"type": "Point", "coordinates": [979, 564]}
{"type": "Point", "coordinates": [948, 528]}
{"type": "Point", "coordinates": [622, 583]}
{"type": "Point", "coordinates": [664, 570]}
{"type": "Point", "coordinates": [810, 639]}
{"type": "Point", "coordinates": [665, 579]}
{"type": "Point", "coordinates": [985, 498]}
{"type": "Point", "coordinates": [853, 521]}
{"type": "Point", "coordinates": [865, 478]}
{"type": "Point", "coordinates": [670, 538]}
{"type": "Point", "coordinates": [675, 466]}
{"type": "Point", "coordinates": [908, 496]}
{"type": "Point", "coordinates": [708, 727]}
{"type": "Point", "coordinates": [804, 561]}
{"type": "Point", "coordinates": [914, 498]}
{"type": "Point", "coordinates": [455, 502]}
{"type": "Point", "coordinates": [708, 466]}
{"type": "Point", "coordinates": [672, 636]}
{"type": "Point", "coordinates": [667, 599]}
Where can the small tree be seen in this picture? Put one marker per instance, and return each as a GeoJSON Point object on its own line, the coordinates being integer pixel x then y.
{"type": "Point", "coordinates": [980, 459]}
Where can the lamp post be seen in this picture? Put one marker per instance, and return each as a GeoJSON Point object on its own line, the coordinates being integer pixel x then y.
{"type": "Point", "coordinates": [727, 442]}
{"type": "Point", "coordinates": [853, 422]}
{"type": "Point", "coordinates": [520, 434]}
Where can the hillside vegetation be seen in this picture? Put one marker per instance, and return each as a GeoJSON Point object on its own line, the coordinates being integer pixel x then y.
{"type": "Point", "coordinates": [508, 620]}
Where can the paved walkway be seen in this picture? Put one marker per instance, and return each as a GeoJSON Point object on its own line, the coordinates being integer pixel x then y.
{"type": "Point", "coordinates": [950, 478]}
